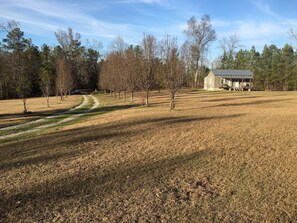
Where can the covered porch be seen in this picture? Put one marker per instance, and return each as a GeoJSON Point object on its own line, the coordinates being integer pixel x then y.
{"type": "Point", "coordinates": [236, 83]}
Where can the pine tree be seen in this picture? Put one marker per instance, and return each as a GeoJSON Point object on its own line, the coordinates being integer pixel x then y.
{"type": "Point", "coordinates": [16, 44]}
{"type": "Point", "coordinates": [289, 67]}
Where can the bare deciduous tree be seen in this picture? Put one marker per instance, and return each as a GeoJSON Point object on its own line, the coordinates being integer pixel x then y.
{"type": "Point", "coordinates": [229, 46]}
{"type": "Point", "coordinates": [173, 71]}
{"type": "Point", "coordinates": [293, 34]}
{"type": "Point", "coordinates": [9, 26]}
{"type": "Point", "coordinates": [118, 45]}
{"type": "Point", "coordinates": [199, 35]}
{"type": "Point", "coordinates": [110, 74]}
{"type": "Point", "coordinates": [147, 77]}
{"type": "Point", "coordinates": [133, 64]}
{"type": "Point", "coordinates": [120, 69]}
{"type": "Point", "coordinates": [72, 50]}
{"type": "Point", "coordinates": [63, 78]}
{"type": "Point", "coordinates": [70, 42]}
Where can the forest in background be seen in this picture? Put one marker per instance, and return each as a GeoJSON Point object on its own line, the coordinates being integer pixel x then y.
{"type": "Point", "coordinates": [27, 70]}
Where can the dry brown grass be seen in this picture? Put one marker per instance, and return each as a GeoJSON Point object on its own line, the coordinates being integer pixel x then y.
{"type": "Point", "coordinates": [220, 157]}
{"type": "Point", "coordinates": [11, 110]}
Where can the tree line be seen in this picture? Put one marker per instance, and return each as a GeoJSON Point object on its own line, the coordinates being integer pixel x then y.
{"type": "Point", "coordinates": [274, 68]}
{"type": "Point", "coordinates": [27, 70]}
{"type": "Point", "coordinates": [149, 65]}
{"type": "Point", "coordinates": [159, 64]}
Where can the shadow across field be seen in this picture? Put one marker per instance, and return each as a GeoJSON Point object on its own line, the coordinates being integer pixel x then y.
{"type": "Point", "coordinates": [91, 185]}
{"type": "Point", "coordinates": [22, 118]}
{"type": "Point", "coordinates": [257, 102]}
{"type": "Point", "coordinates": [30, 151]}
{"type": "Point", "coordinates": [105, 109]}
{"type": "Point", "coordinates": [231, 98]}
{"type": "Point", "coordinates": [101, 110]}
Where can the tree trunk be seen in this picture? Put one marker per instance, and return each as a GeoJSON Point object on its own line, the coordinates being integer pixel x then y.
{"type": "Point", "coordinates": [7, 94]}
{"type": "Point", "coordinates": [124, 95]}
{"type": "Point", "coordinates": [1, 90]}
{"type": "Point", "coordinates": [196, 80]}
{"type": "Point", "coordinates": [25, 105]}
{"type": "Point", "coordinates": [47, 101]}
{"type": "Point", "coordinates": [146, 98]}
{"type": "Point", "coordinates": [172, 104]}
{"type": "Point", "coordinates": [132, 97]}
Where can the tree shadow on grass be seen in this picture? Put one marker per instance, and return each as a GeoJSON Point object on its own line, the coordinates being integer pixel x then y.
{"type": "Point", "coordinates": [93, 184]}
{"type": "Point", "coordinates": [34, 114]}
{"type": "Point", "coordinates": [232, 98]}
{"type": "Point", "coordinates": [31, 151]}
{"type": "Point", "coordinates": [104, 109]}
{"type": "Point", "coordinates": [23, 118]}
{"type": "Point", "coordinates": [258, 102]}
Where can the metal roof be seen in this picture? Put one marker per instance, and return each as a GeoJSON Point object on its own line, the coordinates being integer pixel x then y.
{"type": "Point", "coordinates": [247, 74]}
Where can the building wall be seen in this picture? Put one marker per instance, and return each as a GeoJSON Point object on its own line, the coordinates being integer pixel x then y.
{"type": "Point", "coordinates": [211, 82]}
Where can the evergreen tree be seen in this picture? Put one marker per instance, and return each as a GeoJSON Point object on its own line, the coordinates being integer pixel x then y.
{"type": "Point", "coordinates": [46, 74]}
{"type": "Point", "coordinates": [288, 69]}
{"type": "Point", "coordinates": [16, 44]}
{"type": "Point", "coordinates": [265, 67]}
{"type": "Point", "coordinates": [241, 60]}
{"type": "Point", "coordinates": [276, 69]}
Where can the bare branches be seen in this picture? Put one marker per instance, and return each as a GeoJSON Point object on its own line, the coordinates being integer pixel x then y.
{"type": "Point", "coordinates": [69, 42]}
{"type": "Point", "coordinates": [9, 26]}
{"type": "Point", "coordinates": [167, 44]}
{"type": "Point", "coordinates": [64, 81]}
{"type": "Point", "coordinates": [293, 34]}
{"type": "Point", "coordinates": [199, 35]}
{"type": "Point", "coordinates": [147, 77]}
{"type": "Point", "coordinates": [133, 68]}
{"type": "Point", "coordinates": [230, 44]}
{"type": "Point", "coordinates": [118, 45]}
{"type": "Point", "coordinates": [173, 69]}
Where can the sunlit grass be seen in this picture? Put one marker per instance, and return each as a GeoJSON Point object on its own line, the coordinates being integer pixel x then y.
{"type": "Point", "coordinates": [222, 157]}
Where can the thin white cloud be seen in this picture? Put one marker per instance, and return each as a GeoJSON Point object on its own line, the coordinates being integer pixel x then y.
{"type": "Point", "coordinates": [254, 33]}
{"type": "Point", "coordinates": [51, 17]}
{"type": "Point", "coordinates": [265, 8]}
{"type": "Point", "coordinates": [43, 18]}
{"type": "Point", "coordinates": [254, 29]}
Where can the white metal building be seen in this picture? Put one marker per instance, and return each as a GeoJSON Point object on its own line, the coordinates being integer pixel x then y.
{"type": "Point", "coordinates": [229, 80]}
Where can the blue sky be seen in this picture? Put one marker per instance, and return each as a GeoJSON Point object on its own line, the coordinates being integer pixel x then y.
{"type": "Point", "coordinates": [256, 22]}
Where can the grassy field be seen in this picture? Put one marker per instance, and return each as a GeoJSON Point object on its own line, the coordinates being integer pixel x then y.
{"type": "Point", "coordinates": [220, 157]}
{"type": "Point", "coordinates": [11, 110]}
